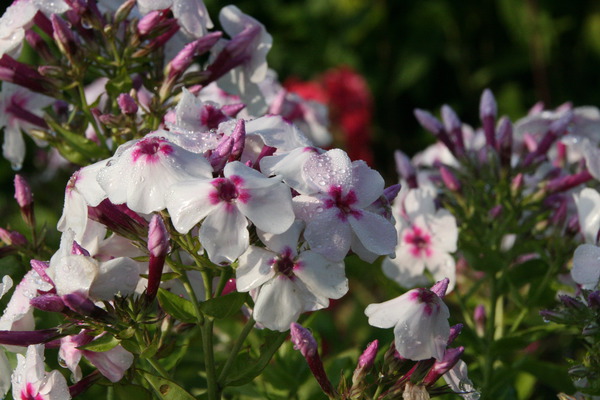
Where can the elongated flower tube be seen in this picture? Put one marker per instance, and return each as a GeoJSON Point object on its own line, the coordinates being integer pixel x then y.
{"type": "Point", "coordinates": [158, 246]}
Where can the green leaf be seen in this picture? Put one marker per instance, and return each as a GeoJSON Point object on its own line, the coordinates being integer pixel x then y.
{"type": "Point", "coordinates": [176, 306]}
{"type": "Point", "coordinates": [165, 388]}
{"type": "Point", "coordinates": [119, 84]}
{"type": "Point", "coordinates": [76, 147]}
{"type": "Point", "coordinates": [103, 343]}
{"type": "Point", "coordinates": [224, 306]}
{"type": "Point", "coordinates": [124, 391]}
{"type": "Point", "coordinates": [151, 350]}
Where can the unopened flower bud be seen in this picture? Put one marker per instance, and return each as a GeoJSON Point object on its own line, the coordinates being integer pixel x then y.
{"type": "Point", "coordinates": [239, 136]}
{"type": "Point", "coordinates": [232, 110]}
{"type": "Point", "coordinates": [220, 155]}
{"type": "Point", "coordinates": [365, 362]}
{"type": "Point", "coordinates": [454, 332]}
{"type": "Point", "coordinates": [82, 305]}
{"type": "Point", "coordinates": [433, 125]}
{"type": "Point", "coordinates": [307, 345]}
{"type": "Point", "coordinates": [405, 169]}
{"type": "Point", "coordinates": [451, 357]}
{"type": "Point", "coordinates": [48, 302]}
{"type": "Point", "coordinates": [517, 183]}
{"type": "Point", "coordinates": [127, 104]}
{"type": "Point", "coordinates": [496, 211]}
{"type": "Point", "coordinates": [564, 183]}
{"type": "Point", "coordinates": [12, 238]}
{"type": "Point", "coordinates": [594, 300]}
{"type": "Point", "coordinates": [24, 199]}
{"type": "Point", "coordinates": [158, 246]}
{"type": "Point", "coordinates": [185, 57]}
{"type": "Point", "coordinates": [124, 10]}
{"type": "Point", "coordinates": [26, 338]}
{"type": "Point", "coordinates": [441, 287]}
{"type": "Point", "coordinates": [449, 179]}
{"type": "Point", "coordinates": [150, 21]}
{"type": "Point", "coordinates": [505, 141]}
{"type": "Point", "coordinates": [487, 112]}
{"type": "Point", "coordinates": [453, 125]}
{"type": "Point", "coordinates": [64, 37]}
{"type": "Point", "coordinates": [480, 317]}
{"type": "Point", "coordinates": [39, 45]}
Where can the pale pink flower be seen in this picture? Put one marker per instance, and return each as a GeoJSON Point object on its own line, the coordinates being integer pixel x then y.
{"type": "Point", "coordinates": [142, 171]}
{"type": "Point", "coordinates": [426, 237]}
{"type": "Point", "coordinates": [335, 207]}
{"type": "Point", "coordinates": [30, 381]}
{"type": "Point", "coordinates": [284, 282]}
{"type": "Point", "coordinates": [226, 204]}
{"type": "Point", "coordinates": [420, 321]}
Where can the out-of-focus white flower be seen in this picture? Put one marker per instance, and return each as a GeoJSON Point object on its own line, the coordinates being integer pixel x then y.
{"type": "Point", "coordinates": [586, 266]}
{"type": "Point", "coordinates": [459, 382]}
{"type": "Point", "coordinates": [285, 283]}
{"type": "Point", "coordinates": [420, 321]}
{"type": "Point", "coordinates": [426, 237]}
{"type": "Point", "coordinates": [226, 204]}
{"type": "Point", "coordinates": [191, 15]}
{"type": "Point", "coordinates": [30, 381]}
{"type": "Point", "coordinates": [588, 210]}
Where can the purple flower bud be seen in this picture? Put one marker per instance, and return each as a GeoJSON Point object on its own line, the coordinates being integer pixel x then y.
{"type": "Point", "coordinates": [487, 112]}
{"type": "Point", "coordinates": [120, 219]}
{"type": "Point", "coordinates": [239, 138]}
{"type": "Point", "coordinates": [307, 345]}
{"type": "Point", "coordinates": [220, 155]}
{"type": "Point", "coordinates": [571, 302]}
{"type": "Point", "coordinates": [391, 192]}
{"type": "Point", "coordinates": [84, 384]}
{"type": "Point", "coordinates": [185, 57]}
{"type": "Point", "coordinates": [43, 23]}
{"type": "Point", "coordinates": [496, 211]}
{"type": "Point", "coordinates": [12, 238]}
{"type": "Point", "coordinates": [536, 108]}
{"type": "Point", "coordinates": [39, 45]}
{"type": "Point", "coordinates": [557, 128]}
{"type": "Point", "coordinates": [453, 125]}
{"type": "Point", "coordinates": [232, 110]}
{"type": "Point", "coordinates": [433, 125]}
{"type": "Point", "coordinates": [405, 169]}
{"type": "Point", "coordinates": [48, 302]}
{"type": "Point", "coordinates": [64, 37]}
{"type": "Point", "coordinates": [454, 332]}
{"type": "Point", "coordinates": [517, 183]}
{"type": "Point", "coordinates": [594, 300]}
{"type": "Point", "coordinates": [505, 140]}
{"type": "Point", "coordinates": [451, 357]}
{"type": "Point", "coordinates": [440, 287]}
{"type": "Point", "coordinates": [229, 287]}
{"type": "Point", "coordinates": [127, 104]}
{"type": "Point", "coordinates": [81, 304]}
{"type": "Point", "coordinates": [449, 179]}
{"type": "Point", "coordinates": [211, 116]}
{"type": "Point", "coordinates": [480, 317]}
{"type": "Point", "coordinates": [151, 21]}
{"type": "Point", "coordinates": [24, 199]}
{"type": "Point", "coordinates": [24, 75]}
{"type": "Point", "coordinates": [564, 183]}
{"type": "Point", "coordinates": [365, 363]}
{"type": "Point", "coordinates": [26, 338]}
{"type": "Point", "coordinates": [76, 249]}
{"type": "Point", "coordinates": [158, 246]}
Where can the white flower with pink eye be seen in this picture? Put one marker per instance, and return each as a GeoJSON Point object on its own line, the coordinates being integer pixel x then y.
{"type": "Point", "coordinates": [420, 321]}
{"type": "Point", "coordinates": [426, 237]}
{"type": "Point", "coordinates": [142, 171]}
{"type": "Point", "coordinates": [284, 282]}
{"type": "Point", "coordinates": [31, 381]}
{"type": "Point", "coordinates": [335, 208]}
{"type": "Point", "coordinates": [224, 205]}
{"type": "Point", "coordinates": [20, 109]}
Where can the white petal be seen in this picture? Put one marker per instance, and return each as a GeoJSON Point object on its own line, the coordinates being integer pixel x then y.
{"type": "Point", "coordinates": [332, 168]}
{"type": "Point", "coordinates": [588, 209]}
{"type": "Point", "coordinates": [224, 234]}
{"type": "Point", "coordinates": [367, 183]}
{"type": "Point", "coordinates": [254, 269]}
{"type": "Point", "coordinates": [117, 276]}
{"type": "Point", "coordinates": [406, 270]}
{"type": "Point", "coordinates": [278, 304]}
{"type": "Point", "coordinates": [13, 148]}
{"type": "Point", "coordinates": [276, 132]}
{"type": "Point", "coordinates": [328, 235]}
{"type": "Point", "coordinates": [73, 273]}
{"type": "Point", "coordinates": [321, 276]}
{"type": "Point", "coordinates": [188, 203]}
{"type": "Point", "coordinates": [419, 202]}
{"type": "Point", "coordinates": [192, 16]}
{"type": "Point", "coordinates": [586, 266]}
{"type": "Point", "coordinates": [288, 239]}
{"type": "Point", "coordinates": [5, 371]}
{"type": "Point", "coordinates": [375, 232]}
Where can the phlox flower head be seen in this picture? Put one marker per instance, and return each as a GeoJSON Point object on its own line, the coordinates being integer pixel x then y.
{"type": "Point", "coordinates": [335, 208]}
{"type": "Point", "coordinates": [30, 381]}
{"type": "Point", "coordinates": [426, 237]}
{"type": "Point", "coordinates": [285, 282]}
{"type": "Point", "coordinates": [420, 321]}
{"type": "Point", "coordinates": [142, 171]}
{"type": "Point", "coordinates": [226, 204]}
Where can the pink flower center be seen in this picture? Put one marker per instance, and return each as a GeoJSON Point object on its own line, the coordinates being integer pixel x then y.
{"type": "Point", "coordinates": [426, 297]}
{"type": "Point", "coordinates": [29, 393]}
{"type": "Point", "coordinates": [344, 203]}
{"type": "Point", "coordinates": [285, 264]}
{"type": "Point", "coordinates": [419, 242]}
{"type": "Point", "coordinates": [150, 149]}
{"type": "Point", "coordinates": [229, 191]}
{"type": "Point", "coordinates": [211, 116]}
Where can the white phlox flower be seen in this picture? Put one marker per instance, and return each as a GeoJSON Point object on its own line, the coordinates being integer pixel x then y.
{"type": "Point", "coordinates": [191, 15]}
{"type": "Point", "coordinates": [142, 171]}
{"type": "Point", "coordinates": [31, 381]}
{"type": "Point", "coordinates": [5, 369]}
{"type": "Point", "coordinates": [18, 314]}
{"type": "Point", "coordinates": [588, 211]}
{"type": "Point", "coordinates": [420, 321]}
{"type": "Point", "coordinates": [284, 282]}
{"type": "Point", "coordinates": [226, 204]}
{"type": "Point", "coordinates": [335, 207]}
{"type": "Point", "coordinates": [586, 266]}
{"type": "Point", "coordinates": [460, 383]}
{"type": "Point", "coordinates": [20, 110]}
{"type": "Point", "coordinates": [426, 237]}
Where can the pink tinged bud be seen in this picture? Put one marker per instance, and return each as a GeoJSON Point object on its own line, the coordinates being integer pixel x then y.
{"type": "Point", "coordinates": [26, 338]}
{"type": "Point", "coordinates": [451, 357]}
{"type": "Point", "coordinates": [307, 345]}
{"type": "Point", "coordinates": [594, 300]}
{"type": "Point", "coordinates": [536, 108]}
{"type": "Point", "coordinates": [365, 362]}
{"type": "Point", "coordinates": [265, 152]}
{"type": "Point", "coordinates": [64, 37]}
{"type": "Point", "coordinates": [43, 23]}
{"type": "Point", "coordinates": [48, 302]}
{"type": "Point", "coordinates": [40, 46]}
{"type": "Point", "coordinates": [496, 211]}
{"type": "Point", "coordinates": [391, 192]}
{"type": "Point", "coordinates": [76, 249]}
{"type": "Point", "coordinates": [232, 110]}
{"type": "Point", "coordinates": [81, 304]}
{"type": "Point", "coordinates": [239, 139]}
{"type": "Point", "coordinates": [517, 182]}
{"type": "Point", "coordinates": [405, 169]}
{"type": "Point", "coordinates": [505, 141]}
{"type": "Point", "coordinates": [449, 179]}
{"type": "Point", "coordinates": [565, 183]}
{"type": "Point", "coordinates": [556, 129]}
{"type": "Point", "coordinates": [12, 238]}
{"type": "Point", "coordinates": [40, 267]}
{"type": "Point", "coordinates": [24, 75]}
{"type": "Point", "coordinates": [480, 317]}
{"type": "Point", "coordinates": [24, 199]}
{"type": "Point", "coordinates": [487, 112]}
{"type": "Point", "coordinates": [150, 21]}
{"type": "Point", "coordinates": [454, 126]}
{"type": "Point", "coordinates": [230, 287]}
{"type": "Point", "coordinates": [185, 57]}
{"type": "Point", "coordinates": [119, 219]}
{"type": "Point", "coordinates": [440, 287]}
{"type": "Point", "coordinates": [158, 246]}
{"type": "Point", "coordinates": [433, 125]}
{"type": "Point", "coordinates": [127, 104]}
{"type": "Point", "coordinates": [220, 155]}
{"type": "Point", "coordinates": [84, 384]}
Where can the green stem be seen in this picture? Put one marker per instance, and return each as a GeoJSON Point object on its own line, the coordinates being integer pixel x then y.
{"type": "Point", "coordinates": [209, 360]}
{"type": "Point", "coordinates": [88, 113]}
{"type": "Point", "coordinates": [236, 348]}
{"type": "Point", "coordinates": [488, 364]}
{"type": "Point", "coordinates": [158, 368]}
